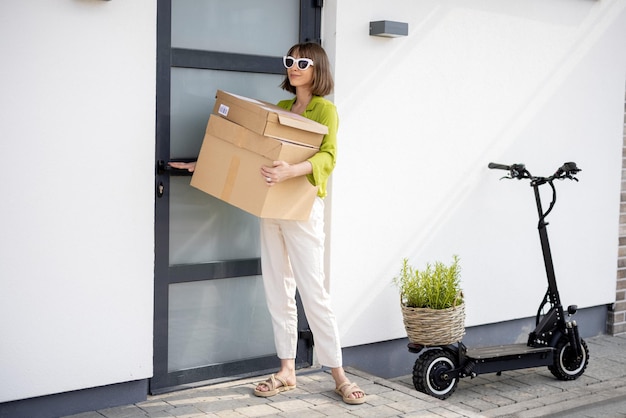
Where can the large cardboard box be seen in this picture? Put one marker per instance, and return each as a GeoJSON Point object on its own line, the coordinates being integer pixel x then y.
{"type": "Point", "coordinates": [268, 119]}
{"type": "Point", "coordinates": [229, 168]}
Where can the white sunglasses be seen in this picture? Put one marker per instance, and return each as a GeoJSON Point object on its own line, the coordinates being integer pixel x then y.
{"type": "Point", "coordinates": [302, 63]}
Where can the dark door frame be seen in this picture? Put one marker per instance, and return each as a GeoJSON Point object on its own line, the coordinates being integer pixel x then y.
{"type": "Point", "coordinates": [168, 57]}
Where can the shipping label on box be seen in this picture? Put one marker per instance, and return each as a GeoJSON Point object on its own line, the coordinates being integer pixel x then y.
{"type": "Point", "coordinates": [268, 119]}
{"type": "Point", "coordinates": [229, 168]}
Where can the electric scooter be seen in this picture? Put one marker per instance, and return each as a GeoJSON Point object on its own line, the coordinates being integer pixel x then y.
{"type": "Point", "coordinates": [555, 342]}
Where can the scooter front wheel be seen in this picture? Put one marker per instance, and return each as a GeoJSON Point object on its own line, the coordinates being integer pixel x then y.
{"type": "Point", "coordinates": [568, 365]}
{"type": "Point", "coordinates": [431, 373]}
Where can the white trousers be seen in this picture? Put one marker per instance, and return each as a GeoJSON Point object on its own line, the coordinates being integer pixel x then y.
{"type": "Point", "coordinates": [292, 256]}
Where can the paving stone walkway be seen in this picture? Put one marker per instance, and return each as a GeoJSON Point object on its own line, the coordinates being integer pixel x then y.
{"type": "Point", "coordinates": [521, 394]}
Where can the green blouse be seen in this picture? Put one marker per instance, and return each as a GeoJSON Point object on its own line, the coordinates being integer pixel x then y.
{"type": "Point", "coordinates": [323, 162]}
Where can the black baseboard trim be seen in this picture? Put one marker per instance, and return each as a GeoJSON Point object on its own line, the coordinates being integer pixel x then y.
{"type": "Point", "coordinates": [76, 402]}
{"type": "Point", "coordinates": [389, 359]}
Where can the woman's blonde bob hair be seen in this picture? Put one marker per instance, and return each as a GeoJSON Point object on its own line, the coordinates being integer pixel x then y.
{"type": "Point", "coordinates": [322, 77]}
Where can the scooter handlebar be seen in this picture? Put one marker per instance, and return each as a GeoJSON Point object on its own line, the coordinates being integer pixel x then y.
{"type": "Point", "coordinates": [499, 166]}
{"type": "Point", "coordinates": [516, 171]}
{"type": "Point", "coordinates": [569, 168]}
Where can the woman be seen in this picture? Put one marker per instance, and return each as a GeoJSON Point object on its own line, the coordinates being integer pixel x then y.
{"type": "Point", "coordinates": [292, 252]}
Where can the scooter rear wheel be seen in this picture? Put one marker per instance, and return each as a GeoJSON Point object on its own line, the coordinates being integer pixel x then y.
{"type": "Point", "coordinates": [567, 364]}
{"type": "Point", "coordinates": [430, 373]}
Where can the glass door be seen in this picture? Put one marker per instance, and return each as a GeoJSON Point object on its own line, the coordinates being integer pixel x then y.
{"type": "Point", "coordinates": [211, 322]}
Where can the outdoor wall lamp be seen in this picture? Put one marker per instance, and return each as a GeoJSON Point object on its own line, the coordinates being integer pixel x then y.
{"type": "Point", "coordinates": [389, 29]}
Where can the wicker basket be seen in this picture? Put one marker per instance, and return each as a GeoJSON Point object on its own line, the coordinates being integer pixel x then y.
{"type": "Point", "coordinates": [427, 326]}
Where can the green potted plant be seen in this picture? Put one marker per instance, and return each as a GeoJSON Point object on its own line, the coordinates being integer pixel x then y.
{"type": "Point", "coordinates": [433, 309]}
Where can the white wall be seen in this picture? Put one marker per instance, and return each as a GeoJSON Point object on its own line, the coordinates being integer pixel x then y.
{"type": "Point", "coordinates": [539, 82]}
{"type": "Point", "coordinates": [76, 213]}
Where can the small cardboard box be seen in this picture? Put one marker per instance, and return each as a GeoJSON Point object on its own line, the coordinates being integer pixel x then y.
{"type": "Point", "coordinates": [229, 168]}
{"type": "Point", "coordinates": [269, 120]}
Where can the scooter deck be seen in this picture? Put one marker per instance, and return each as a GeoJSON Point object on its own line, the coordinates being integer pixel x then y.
{"type": "Point", "coordinates": [505, 351]}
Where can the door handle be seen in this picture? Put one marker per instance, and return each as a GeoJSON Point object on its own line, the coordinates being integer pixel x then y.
{"type": "Point", "coordinates": [163, 168]}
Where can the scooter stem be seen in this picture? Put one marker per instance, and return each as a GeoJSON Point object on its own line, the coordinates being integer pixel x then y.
{"type": "Point", "coordinates": [553, 292]}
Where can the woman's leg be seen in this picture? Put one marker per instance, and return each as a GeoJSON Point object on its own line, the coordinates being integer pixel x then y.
{"type": "Point", "coordinates": [280, 291]}
{"type": "Point", "coordinates": [305, 245]}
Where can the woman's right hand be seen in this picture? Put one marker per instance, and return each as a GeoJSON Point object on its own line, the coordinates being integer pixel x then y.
{"type": "Point", "coordinates": [191, 166]}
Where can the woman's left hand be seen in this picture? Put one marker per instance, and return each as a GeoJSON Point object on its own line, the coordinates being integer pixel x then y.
{"type": "Point", "coordinates": [276, 173]}
{"type": "Point", "coordinates": [281, 171]}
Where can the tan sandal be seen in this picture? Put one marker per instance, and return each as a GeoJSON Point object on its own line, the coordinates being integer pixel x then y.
{"type": "Point", "coordinates": [346, 389]}
{"type": "Point", "coordinates": [272, 387]}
